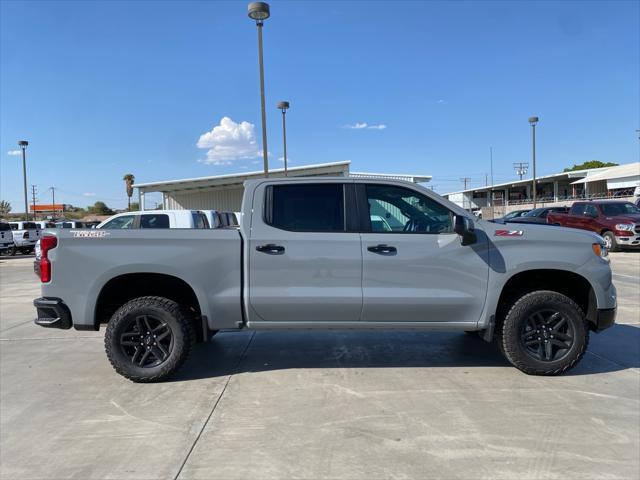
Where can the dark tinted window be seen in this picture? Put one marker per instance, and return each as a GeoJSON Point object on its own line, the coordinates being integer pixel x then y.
{"type": "Point", "coordinates": [4, 227]}
{"type": "Point", "coordinates": [14, 226]}
{"type": "Point", "coordinates": [405, 211]}
{"type": "Point", "coordinates": [154, 221]}
{"type": "Point", "coordinates": [307, 208]}
{"type": "Point", "coordinates": [536, 212]}
{"type": "Point", "coordinates": [29, 226]}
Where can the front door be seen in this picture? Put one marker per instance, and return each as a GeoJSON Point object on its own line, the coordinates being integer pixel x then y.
{"type": "Point", "coordinates": [303, 264]}
{"type": "Point", "coordinates": [414, 267]}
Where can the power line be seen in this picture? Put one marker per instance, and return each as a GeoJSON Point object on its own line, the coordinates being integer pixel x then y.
{"type": "Point", "coordinates": [465, 180]}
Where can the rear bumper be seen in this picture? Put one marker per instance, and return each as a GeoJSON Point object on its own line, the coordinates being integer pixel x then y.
{"type": "Point", "coordinates": [52, 313]}
{"type": "Point", "coordinates": [605, 319]}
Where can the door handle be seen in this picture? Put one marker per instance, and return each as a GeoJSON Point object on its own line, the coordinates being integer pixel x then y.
{"type": "Point", "coordinates": [271, 249]}
{"type": "Point", "coordinates": [383, 249]}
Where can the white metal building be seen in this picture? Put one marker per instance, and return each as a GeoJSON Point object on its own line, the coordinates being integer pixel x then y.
{"type": "Point", "coordinates": [224, 192]}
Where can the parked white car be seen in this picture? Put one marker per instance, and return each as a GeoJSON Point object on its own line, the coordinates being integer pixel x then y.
{"type": "Point", "coordinates": [25, 236]}
{"type": "Point", "coordinates": [156, 219]}
{"type": "Point", "coordinates": [6, 237]}
{"type": "Point", "coordinates": [218, 219]}
{"type": "Point", "coordinates": [70, 224]}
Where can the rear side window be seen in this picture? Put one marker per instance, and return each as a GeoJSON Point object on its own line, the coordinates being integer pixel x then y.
{"type": "Point", "coordinates": [29, 226]}
{"type": "Point", "coordinates": [306, 208]}
{"type": "Point", "coordinates": [125, 221]}
{"type": "Point", "coordinates": [154, 221]}
{"type": "Point", "coordinates": [14, 226]}
{"type": "Point", "coordinates": [577, 209]}
{"type": "Point", "coordinates": [591, 210]}
{"type": "Point", "coordinates": [4, 227]}
{"type": "Point", "coordinates": [200, 220]}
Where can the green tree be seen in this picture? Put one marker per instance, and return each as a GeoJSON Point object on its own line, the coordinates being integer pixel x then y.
{"type": "Point", "coordinates": [100, 208]}
{"type": "Point", "coordinates": [590, 164]}
{"type": "Point", "coordinates": [5, 207]}
{"type": "Point", "coordinates": [128, 185]}
{"type": "Point", "coordinates": [134, 206]}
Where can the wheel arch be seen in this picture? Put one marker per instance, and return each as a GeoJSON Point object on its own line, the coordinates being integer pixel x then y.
{"type": "Point", "coordinates": [122, 288]}
{"type": "Point", "coordinates": [571, 284]}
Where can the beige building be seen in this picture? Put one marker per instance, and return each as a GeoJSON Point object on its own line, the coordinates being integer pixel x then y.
{"type": "Point", "coordinates": [224, 192]}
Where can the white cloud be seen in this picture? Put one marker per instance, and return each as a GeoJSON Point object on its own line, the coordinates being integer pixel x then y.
{"type": "Point", "coordinates": [281, 159]}
{"type": "Point", "coordinates": [14, 153]}
{"type": "Point", "coordinates": [363, 125]}
{"type": "Point", "coordinates": [89, 194]}
{"type": "Point", "coordinates": [441, 101]}
{"type": "Point", "coordinates": [229, 141]}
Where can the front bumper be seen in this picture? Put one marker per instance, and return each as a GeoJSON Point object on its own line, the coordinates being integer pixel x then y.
{"type": "Point", "coordinates": [605, 318]}
{"type": "Point", "coordinates": [628, 241]}
{"type": "Point", "coordinates": [52, 313]}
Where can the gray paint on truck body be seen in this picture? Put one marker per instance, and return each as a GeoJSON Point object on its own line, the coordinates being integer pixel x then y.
{"type": "Point", "coordinates": [434, 282]}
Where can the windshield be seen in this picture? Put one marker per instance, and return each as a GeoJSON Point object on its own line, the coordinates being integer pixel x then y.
{"type": "Point", "coordinates": [619, 209]}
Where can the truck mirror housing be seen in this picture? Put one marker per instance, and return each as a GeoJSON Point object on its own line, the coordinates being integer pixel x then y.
{"type": "Point", "coordinates": [463, 226]}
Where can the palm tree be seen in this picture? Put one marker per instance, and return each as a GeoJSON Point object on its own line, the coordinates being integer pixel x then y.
{"type": "Point", "coordinates": [128, 182]}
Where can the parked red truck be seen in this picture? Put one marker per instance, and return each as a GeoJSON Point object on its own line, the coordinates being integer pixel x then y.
{"type": "Point", "coordinates": [618, 222]}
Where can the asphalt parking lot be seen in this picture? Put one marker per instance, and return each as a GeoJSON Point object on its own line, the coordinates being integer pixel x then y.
{"type": "Point", "coordinates": [358, 405]}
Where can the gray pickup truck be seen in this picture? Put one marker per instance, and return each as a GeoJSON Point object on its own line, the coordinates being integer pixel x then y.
{"type": "Point", "coordinates": [309, 256]}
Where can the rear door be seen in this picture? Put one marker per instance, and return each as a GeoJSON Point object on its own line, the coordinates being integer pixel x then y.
{"type": "Point", "coordinates": [418, 271]}
{"type": "Point", "coordinates": [304, 266]}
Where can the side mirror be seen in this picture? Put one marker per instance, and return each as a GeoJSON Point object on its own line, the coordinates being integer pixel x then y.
{"type": "Point", "coordinates": [463, 226]}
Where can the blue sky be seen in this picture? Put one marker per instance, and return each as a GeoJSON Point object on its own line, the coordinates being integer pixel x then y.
{"type": "Point", "coordinates": [100, 89]}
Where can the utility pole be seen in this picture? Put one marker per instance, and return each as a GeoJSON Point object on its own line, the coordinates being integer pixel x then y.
{"type": "Point", "coordinates": [53, 200]}
{"type": "Point", "coordinates": [533, 121]}
{"type": "Point", "coordinates": [465, 180]}
{"type": "Point", "coordinates": [33, 199]}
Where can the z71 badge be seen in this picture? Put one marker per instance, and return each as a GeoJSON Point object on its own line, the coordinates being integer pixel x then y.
{"type": "Point", "coordinates": [89, 234]}
{"type": "Point", "coordinates": [509, 233]}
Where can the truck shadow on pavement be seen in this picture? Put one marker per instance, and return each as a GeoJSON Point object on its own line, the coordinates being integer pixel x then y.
{"type": "Point", "coordinates": [243, 352]}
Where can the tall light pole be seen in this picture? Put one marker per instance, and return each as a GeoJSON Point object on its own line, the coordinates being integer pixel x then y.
{"type": "Point", "coordinates": [53, 199]}
{"type": "Point", "coordinates": [23, 146]}
{"type": "Point", "coordinates": [533, 121]}
{"type": "Point", "coordinates": [283, 106]}
{"type": "Point", "coordinates": [259, 11]}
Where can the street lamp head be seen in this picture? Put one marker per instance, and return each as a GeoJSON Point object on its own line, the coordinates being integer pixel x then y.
{"type": "Point", "coordinates": [23, 143]}
{"type": "Point", "coordinates": [259, 11]}
{"type": "Point", "coordinates": [533, 120]}
{"type": "Point", "coordinates": [283, 105]}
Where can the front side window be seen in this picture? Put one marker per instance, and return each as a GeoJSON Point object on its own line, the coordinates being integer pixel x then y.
{"type": "Point", "coordinates": [306, 207]}
{"type": "Point", "coordinates": [401, 210]}
{"type": "Point", "coordinates": [117, 223]}
{"type": "Point", "coordinates": [154, 221]}
{"type": "Point", "coordinates": [613, 209]}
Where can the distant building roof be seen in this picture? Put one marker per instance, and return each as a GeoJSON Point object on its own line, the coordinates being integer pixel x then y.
{"type": "Point", "coordinates": [333, 168]}
{"type": "Point", "coordinates": [621, 171]}
{"type": "Point", "coordinates": [585, 173]}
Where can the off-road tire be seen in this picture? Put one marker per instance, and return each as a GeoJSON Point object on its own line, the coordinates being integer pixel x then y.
{"type": "Point", "coordinates": [610, 238]}
{"type": "Point", "coordinates": [509, 332]}
{"type": "Point", "coordinates": [176, 318]}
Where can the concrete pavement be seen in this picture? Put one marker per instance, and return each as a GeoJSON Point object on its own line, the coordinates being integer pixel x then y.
{"type": "Point", "coordinates": [316, 405]}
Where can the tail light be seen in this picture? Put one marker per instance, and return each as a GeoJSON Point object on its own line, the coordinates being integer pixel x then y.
{"type": "Point", "coordinates": [47, 242]}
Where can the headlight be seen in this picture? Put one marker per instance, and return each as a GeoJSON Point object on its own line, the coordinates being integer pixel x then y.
{"type": "Point", "coordinates": [600, 250]}
{"type": "Point", "coordinates": [625, 227]}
